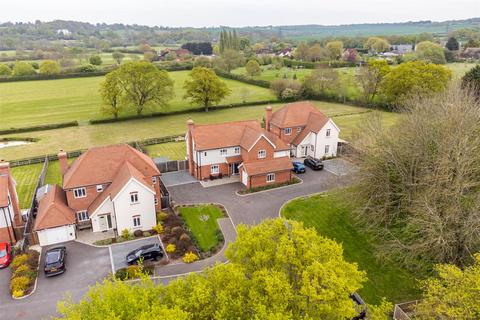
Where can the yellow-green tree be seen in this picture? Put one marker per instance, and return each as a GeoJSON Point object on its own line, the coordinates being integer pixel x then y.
{"type": "Point", "coordinates": [205, 87]}
{"type": "Point", "coordinates": [335, 49]}
{"type": "Point", "coordinates": [377, 44]}
{"type": "Point", "coordinates": [452, 294]}
{"type": "Point", "coordinates": [302, 52]}
{"type": "Point", "coordinates": [111, 92]}
{"type": "Point", "coordinates": [23, 69]}
{"type": "Point", "coordinates": [5, 70]}
{"type": "Point", "coordinates": [370, 78]}
{"type": "Point", "coordinates": [430, 52]}
{"type": "Point", "coordinates": [49, 67]}
{"type": "Point", "coordinates": [253, 68]}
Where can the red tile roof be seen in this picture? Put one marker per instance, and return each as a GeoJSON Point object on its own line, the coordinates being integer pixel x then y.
{"type": "Point", "coordinates": [124, 174]}
{"type": "Point", "coordinates": [100, 165]}
{"type": "Point", "coordinates": [315, 122]}
{"type": "Point", "coordinates": [53, 210]}
{"type": "Point", "coordinates": [267, 166]}
{"type": "Point", "coordinates": [294, 114]}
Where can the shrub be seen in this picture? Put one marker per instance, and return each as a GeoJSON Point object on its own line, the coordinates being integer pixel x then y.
{"type": "Point", "coordinates": [121, 274]}
{"type": "Point", "coordinates": [190, 257]}
{"type": "Point", "coordinates": [162, 216]}
{"type": "Point", "coordinates": [158, 228]}
{"type": "Point", "coordinates": [171, 248]}
{"type": "Point", "coordinates": [138, 233]}
{"type": "Point", "coordinates": [33, 256]}
{"type": "Point", "coordinates": [87, 68]}
{"type": "Point", "coordinates": [18, 261]}
{"type": "Point", "coordinates": [20, 284]}
{"type": "Point", "coordinates": [177, 231]}
{"type": "Point", "coordinates": [95, 60]}
{"type": "Point", "coordinates": [134, 271]}
{"type": "Point", "coordinates": [147, 234]}
{"type": "Point", "coordinates": [126, 234]}
{"type": "Point", "coordinates": [22, 270]}
{"type": "Point", "coordinates": [18, 293]}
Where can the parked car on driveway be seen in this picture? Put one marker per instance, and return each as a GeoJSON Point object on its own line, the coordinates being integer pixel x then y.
{"type": "Point", "coordinates": [148, 252]}
{"type": "Point", "coordinates": [5, 254]}
{"type": "Point", "coordinates": [298, 167]}
{"type": "Point", "coordinates": [314, 163]}
{"type": "Point", "coordinates": [55, 259]}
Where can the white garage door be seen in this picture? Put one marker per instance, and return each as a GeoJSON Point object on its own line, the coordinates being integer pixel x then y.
{"type": "Point", "coordinates": [57, 235]}
{"type": "Point", "coordinates": [244, 177]}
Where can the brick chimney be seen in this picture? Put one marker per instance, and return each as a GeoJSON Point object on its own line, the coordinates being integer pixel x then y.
{"type": "Point", "coordinates": [62, 158]}
{"type": "Point", "coordinates": [4, 167]}
{"type": "Point", "coordinates": [191, 125]}
{"type": "Point", "coordinates": [268, 117]}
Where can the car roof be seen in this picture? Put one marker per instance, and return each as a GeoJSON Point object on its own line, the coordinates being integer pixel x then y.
{"type": "Point", "coordinates": [3, 245]}
{"type": "Point", "coordinates": [55, 249]}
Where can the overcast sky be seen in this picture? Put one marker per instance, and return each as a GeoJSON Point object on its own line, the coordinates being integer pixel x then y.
{"type": "Point", "coordinates": [198, 13]}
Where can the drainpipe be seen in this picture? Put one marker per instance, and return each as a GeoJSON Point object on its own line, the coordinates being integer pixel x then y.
{"type": "Point", "coordinates": [315, 148]}
{"type": "Point", "coordinates": [6, 222]}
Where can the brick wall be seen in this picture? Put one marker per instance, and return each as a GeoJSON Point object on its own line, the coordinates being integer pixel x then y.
{"type": "Point", "coordinates": [4, 237]}
{"type": "Point", "coordinates": [261, 180]}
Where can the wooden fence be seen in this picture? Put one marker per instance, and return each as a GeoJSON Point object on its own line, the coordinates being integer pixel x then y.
{"type": "Point", "coordinates": [171, 166]}
{"type": "Point", "coordinates": [404, 311]}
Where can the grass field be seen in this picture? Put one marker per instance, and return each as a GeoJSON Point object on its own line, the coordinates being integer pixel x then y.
{"type": "Point", "coordinates": [272, 74]}
{"type": "Point", "coordinates": [329, 214]}
{"type": "Point", "coordinates": [29, 103]}
{"type": "Point", "coordinates": [202, 222]}
{"type": "Point", "coordinates": [349, 118]}
{"type": "Point", "coordinates": [170, 150]}
{"type": "Point", "coordinates": [26, 178]}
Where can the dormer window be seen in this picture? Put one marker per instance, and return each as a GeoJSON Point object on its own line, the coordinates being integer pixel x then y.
{"type": "Point", "coordinates": [287, 131]}
{"type": "Point", "coordinates": [262, 154]}
{"type": "Point", "coordinates": [80, 192]}
{"type": "Point", "coordinates": [223, 152]}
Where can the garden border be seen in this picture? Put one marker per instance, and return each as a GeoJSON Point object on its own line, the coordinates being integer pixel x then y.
{"type": "Point", "coordinates": [271, 189]}
{"type": "Point", "coordinates": [36, 279]}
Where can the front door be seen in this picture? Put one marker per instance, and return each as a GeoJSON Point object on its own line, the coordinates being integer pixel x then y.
{"type": "Point", "coordinates": [105, 222]}
{"type": "Point", "coordinates": [234, 169]}
{"type": "Point", "coordinates": [303, 151]}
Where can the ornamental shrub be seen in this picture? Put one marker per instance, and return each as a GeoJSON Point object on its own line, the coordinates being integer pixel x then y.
{"type": "Point", "coordinates": [18, 261]}
{"type": "Point", "coordinates": [134, 271]}
{"type": "Point", "coordinates": [190, 257]}
{"type": "Point", "coordinates": [22, 270]}
{"type": "Point", "coordinates": [126, 234]}
{"type": "Point", "coordinates": [162, 216]}
{"type": "Point", "coordinates": [171, 248]}
{"type": "Point", "coordinates": [18, 293]}
{"type": "Point", "coordinates": [158, 228]}
{"type": "Point", "coordinates": [138, 233]}
{"type": "Point", "coordinates": [19, 284]}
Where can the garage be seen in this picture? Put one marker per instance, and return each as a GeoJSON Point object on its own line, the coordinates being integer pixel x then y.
{"type": "Point", "coordinates": [56, 235]}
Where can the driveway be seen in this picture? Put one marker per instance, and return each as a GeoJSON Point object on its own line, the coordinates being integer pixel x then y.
{"type": "Point", "coordinates": [85, 266]}
{"type": "Point", "coordinates": [5, 284]}
{"type": "Point", "coordinates": [176, 178]}
{"type": "Point", "coordinates": [254, 208]}
{"type": "Point", "coordinates": [119, 251]}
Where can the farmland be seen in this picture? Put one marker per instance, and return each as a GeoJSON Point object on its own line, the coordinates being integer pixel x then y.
{"type": "Point", "coordinates": [26, 178]}
{"type": "Point", "coordinates": [30, 103]}
{"type": "Point", "coordinates": [82, 137]}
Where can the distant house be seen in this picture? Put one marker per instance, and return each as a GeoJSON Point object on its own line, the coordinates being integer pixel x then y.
{"type": "Point", "coordinates": [471, 53]}
{"type": "Point", "coordinates": [400, 49]}
{"type": "Point", "coordinates": [179, 53]}
{"type": "Point", "coordinates": [286, 53]}
{"type": "Point", "coordinates": [64, 32]}
{"type": "Point", "coordinates": [106, 188]}
{"type": "Point", "coordinates": [11, 222]}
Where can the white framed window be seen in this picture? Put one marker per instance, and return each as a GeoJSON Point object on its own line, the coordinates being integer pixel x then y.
{"type": "Point", "coordinates": [327, 149]}
{"type": "Point", "coordinates": [237, 150]}
{"type": "Point", "coordinates": [299, 129]}
{"type": "Point", "coordinates": [262, 154]}
{"type": "Point", "coordinates": [223, 152]}
{"type": "Point", "coordinates": [136, 222]}
{"type": "Point", "coordinates": [312, 147]}
{"type": "Point", "coordinates": [134, 197]}
{"type": "Point", "coordinates": [154, 180]}
{"type": "Point", "coordinates": [82, 215]}
{"type": "Point", "coordinates": [327, 133]}
{"type": "Point", "coordinates": [271, 177]}
{"type": "Point", "coordinates": [156, 201]}
{"type": "Point", "coordinates": [99, 188]}
{"type": "Point", "coordinates": [287, 131]}
{"type": "Point", "coordinates": [214, 168]}
{"type": "Point", "coordinates": [80, 192]}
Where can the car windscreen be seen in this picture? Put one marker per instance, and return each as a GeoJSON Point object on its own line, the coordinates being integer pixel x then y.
{"type": "Point", "coordinates": [3, 253]}
{"type": "Point", "coordinates": [52, 257]}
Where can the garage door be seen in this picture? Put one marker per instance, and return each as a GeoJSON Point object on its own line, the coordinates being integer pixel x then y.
{"type": "Point", "coordinates": [244, 177]}
{"type": "Point", "coordinates": [57, 235]}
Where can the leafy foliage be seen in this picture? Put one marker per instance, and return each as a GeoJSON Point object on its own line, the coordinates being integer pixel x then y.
{"type": "Point", "coordinates": [49, 67]}
{"type": "Point", "coordinates": [5, 70]}
{"type": "Point", "coordinates": [430, 52]}
{"type": "Point", "coordinates": [190, 257]}
{"type": "Point", "coordinates": [377, 45]}
{"type": "Point", "coordinates": [370, 78]}
{"type": "Point", "coordinates": [205, 87]}
{"type": "Point", "coordinates": [253, 68]}
{"type": "Point", "coordinates": [95, 60]}
{"type": "Point", "coordinates": [472, 79]}
{"type": "Point", "coordinates": [23, 69]}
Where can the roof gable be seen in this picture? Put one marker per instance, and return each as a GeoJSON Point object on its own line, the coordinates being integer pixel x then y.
{"type": "Point", "coordinates": [53, 210]}
{"type": "Point", "coordinates": [294, 114]}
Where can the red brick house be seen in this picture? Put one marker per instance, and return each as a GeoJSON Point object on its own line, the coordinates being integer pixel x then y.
{"type": "Point", "coordinates": [106, 188]}
{"type": "Point", "coordinates": [11, 222]}
{"type": "Point", "coordinates": [240, 148]}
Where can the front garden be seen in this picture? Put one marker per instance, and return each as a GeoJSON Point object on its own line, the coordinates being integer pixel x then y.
{"type": "Point", "coordinates": [24, 273]}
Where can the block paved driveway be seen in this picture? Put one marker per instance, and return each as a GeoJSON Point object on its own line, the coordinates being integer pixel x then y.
{"type": "Point", "coordinates": [254, 208]}
{"type": "Point", "coordinates": [85, 266]}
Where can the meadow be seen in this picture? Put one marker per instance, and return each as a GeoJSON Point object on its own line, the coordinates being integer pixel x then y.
{"type": "Point", "coordinates": [29, 103]}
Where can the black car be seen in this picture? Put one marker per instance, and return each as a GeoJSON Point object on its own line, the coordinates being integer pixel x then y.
{"type": "Point", "coordinates": [55, 261]}
{"type": "Point", "coordinates": [147, 252]}
{"type": "Point", "coordinates": [315, 164]}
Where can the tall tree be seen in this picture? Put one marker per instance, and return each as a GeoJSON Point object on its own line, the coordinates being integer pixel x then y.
{"type": "Point", "coordinates": [112, 92]}
{"type": "Point", "coordinates": [302, 52]}
{"type": "Point", "coordinates": [430, 52]}
{"type": "Point", "coordinates": [23, 69]}
{"type": "Point", "coordinates": [205, 87]}
{"type": "Point", "coordinates": [229, 60]}
{"type": "Point", "coordinates": [370, 77]}
{"type": "Point", "coordinates": [145, 86]}
{"type": "Point", "coordinates": [118, 57]}
{"type": "Point", "coordinates": [322, 81]}
{"type": "Point", "coordinates": [335, 49]}
{"type": "Point", "coordinates": [377, 45]}
{"type": "Point", "coordinates": [452, 44]}
{"type": "Point", "coordinates": [49, 67]}
{"type": "Point", "coordinates": [253, 68]}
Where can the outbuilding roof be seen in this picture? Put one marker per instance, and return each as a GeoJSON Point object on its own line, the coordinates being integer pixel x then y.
{"type": "Point", "coordinates": [53, 210]}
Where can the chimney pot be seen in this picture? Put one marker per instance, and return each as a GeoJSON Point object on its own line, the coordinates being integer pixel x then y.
{"type": "Point", "coordinates": [268, 117]}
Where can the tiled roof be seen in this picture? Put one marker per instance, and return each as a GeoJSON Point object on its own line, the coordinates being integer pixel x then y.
{"type": "Point", "coordinates": [234, 159]}
{"type": "Point", "coordinates": [53, 210]}
{"type": "Point", "coordinates": [99, 165]}
{"type": "Point", "coordinates": [315, 123]}
{"type": "Point", "coordinates": [293, 114]}
{"type": "Point", "coordinates": [268, 166]}
{"type": "Point", "coordinates": [124, 174]}
{"type": "Point", "coordinates": [3, 190]}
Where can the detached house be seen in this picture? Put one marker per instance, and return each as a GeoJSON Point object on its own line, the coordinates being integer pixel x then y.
{"type": "Point", "coordinates": [306, 130]}
{"type": "Point", "coordinates": [106, 188]}
{"type": "Point", "coordinates": [10, 213]}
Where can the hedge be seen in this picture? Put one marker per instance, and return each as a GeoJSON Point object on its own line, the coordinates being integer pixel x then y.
{"type": "Point", "coordinates": [195, 109]}
{"type": "Point", "coordinates": [40, 127]}
{"type": "Point", "coordinates": [312, 65]}
{"type": "Point", "coordinates": [242, 78]}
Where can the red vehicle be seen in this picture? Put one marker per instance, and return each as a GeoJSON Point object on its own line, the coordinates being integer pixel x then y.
{"type": "Point", "coordinates": [5, 254]}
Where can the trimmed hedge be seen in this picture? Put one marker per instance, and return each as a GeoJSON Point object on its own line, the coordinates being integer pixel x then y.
{"type": "Point", "coordinates": [312, 65]}
{"type": "Point", "coordinates": [40, 128]}
{"type": "Point", "coordinates": [195, 109]}
{"type": "Point", "coordinates": [242, 78]}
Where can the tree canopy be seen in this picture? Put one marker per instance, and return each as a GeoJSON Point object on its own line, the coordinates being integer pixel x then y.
{"type": "Point", "coordinates": [205, 87]}
{"type": "Point", "coordinates": [430, 52]}
{"type": "Point", "coordinates": [377, 44]}
{"type": "Point", "coordinates": [472, 79]}
{"type": "Point", "coordinates": [253, 68]}
{"type": "Point", "coordinates": [370, 78]}
{"type": "Point", "coordinates": [23, 69]}
{"type": "Point", "coordinates": [5, 70]}
{"type": "Point", "coordinates": [335, 49]}
{"type": "Point", "coordinates": [49, 67]}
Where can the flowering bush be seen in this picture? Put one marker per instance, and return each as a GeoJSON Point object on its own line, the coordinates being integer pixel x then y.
{"type": "Point", "coordinates": [171, 248]}
{"type": "Point", "coordinates": [158, 228]}
{"type": "Point", "coordinates": [19, 284]}
{"type": "Point", "coordinates": [190, 257]}
{"type": "Point", "coordinates": [126, 234]}
{"type": "Point", "coordinates": [18, 261]}
{"type": "Point", "coordinates": [134, 271]}
{"type": "Point", "coordinates": [161, 216]}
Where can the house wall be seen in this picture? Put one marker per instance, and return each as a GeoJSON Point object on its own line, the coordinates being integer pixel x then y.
{"type": "Point", "coordinates": [124, 211]}
{"type": "Point", "coordinates": [8, 214]}
{"type": "Point", "coordinates": [4, 234]}
{"type": "Point", "coordinates": [213, 156]}
{"type": "Point", "coordinates": [320, 140]}
{"type": "Point", "coordinates": [105, 208]}
{"type": "Point", "coordinates": [287, 138]}
{"type": "Point", "coordinates": [262, 144]}
{"type": "Point", "coordinates": [261, 180]}
{"type": "Point", "coordinates": [68, 230]}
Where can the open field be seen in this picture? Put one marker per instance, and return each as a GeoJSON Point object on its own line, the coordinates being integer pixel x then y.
{"type": "Point", "coordinates": [26, 178]}
{"type": "Point", "coordinates": [170, 150]}
{"type": "Point", "coordinates": [272, 74]}
{"type": "Point", "coordinates": [202, 222]}
{"type": "Point", "coordinates": [83, 137]}
{"type": "Point", "coordinates": [29, 103]}
{"type": "Point", "coordinates": [330, 214]}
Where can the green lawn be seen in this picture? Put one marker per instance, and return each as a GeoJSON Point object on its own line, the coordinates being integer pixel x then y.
{"type": "Point", "coordinates": [270, 74]}
{"type": "Point", "coordinates": [202, 222]}
{"type": "Point", "coordinates": [329, 214]}
{"type": "Point", "coordinates": [170, 150]}
{"type": "Point", "coordinates": [84, 137]}
{"type": "Point", "coordinates": [29, 103]}
{"type": "Point", "coordinates": [26, 178]}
